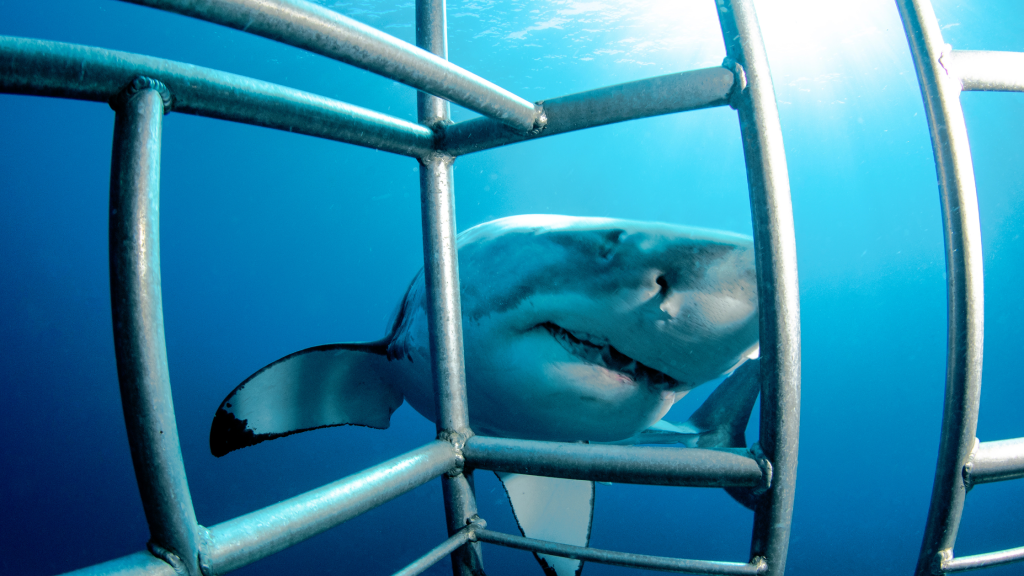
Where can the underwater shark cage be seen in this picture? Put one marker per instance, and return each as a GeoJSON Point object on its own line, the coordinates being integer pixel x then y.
{"type": "Point", "coordinates": [963, 461]}
{"type": "Point", "coordinates": [142, 90]}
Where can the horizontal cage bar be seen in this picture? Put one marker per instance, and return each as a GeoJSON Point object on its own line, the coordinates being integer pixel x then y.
{"type": "Point", "coordinates": [656, 96]}
{"type": "Point", "coordinates": [137, 564]}
{"type": "Point", "coordinates": [626, 559]}
{"type": "Point", "coordinates": [322, 31]}
{"type": "Point", "coordinates": [983, 560]}
{"type": "Point", "coordinates": [998, 461]}
{"type": "Point", "coordinates": [624, 464]}
{"type": "Point", "coordinates": [243, 540]}
{"type": "Point", "coordinates": [987, 70]}
{"type": "Point", "coordinates": [441, 551]}
{"type": "Point", "coordinates": [44, 68]}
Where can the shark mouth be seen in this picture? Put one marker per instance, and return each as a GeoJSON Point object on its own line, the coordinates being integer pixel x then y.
{"type": "Point", "coordinates": [606, 356]}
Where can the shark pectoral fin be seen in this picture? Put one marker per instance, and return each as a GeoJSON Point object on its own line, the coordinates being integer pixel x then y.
{"type": "Point", "coordinates": [317, 387]}
{"type": "Point", "coordinates": [722, 419]}
{"type": "Point", "coordinates": [552, 509]}
{"type": "Point", "coordinates": [665, 432]}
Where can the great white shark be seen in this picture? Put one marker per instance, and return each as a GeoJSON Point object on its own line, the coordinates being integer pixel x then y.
{"type": "Point", "coordinates": [575, 329]}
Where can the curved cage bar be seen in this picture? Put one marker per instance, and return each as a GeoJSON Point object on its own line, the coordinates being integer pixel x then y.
{"type": "Point", "coordinates": [137, 308]}
{"type": "Point", "coordinates": [778, 291]}
{"type": "Point", "coordinates": [942, 73]}
{"type": "Point", "coordinates": [143, 89]}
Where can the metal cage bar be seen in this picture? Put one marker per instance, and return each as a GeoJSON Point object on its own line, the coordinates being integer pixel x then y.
{"type": "Point", "coordinates": [996, 461]}
{"type": "Point", "coordinates": [139, 343]}
{"type": "Point", "coordinates": [942, 73]}
{"type": "Point", "coordinates": [322, 31]}
{"type": "Point", "coordinates": [137, 564]}
{"type": "Point", "coordinates": [987, 70]}
{"type": "Point", "coordinates": [663, 563]}
{"type": "Point", "coordinates": [438, 553]}
{"type": "Point", "coordinates": [54, 69]}
{"type": "Point", "coordinates": [243, 540]}
{"type": "Point", "coordinates": [778, 292]}
{"type": "Point", "coordinates": [444, 308]}
{"type": "Point", "coordinates": [45, 68]}
{"type": "Point", "coordinates": [662, 466]}
{"type": "Point", "coordinates": [982, 560]}
{"type": "Point", "coordinates": [667, 94]}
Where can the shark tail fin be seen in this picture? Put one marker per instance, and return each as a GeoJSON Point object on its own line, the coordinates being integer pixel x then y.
{"type": "Point", "coordinates": [323, 386]}
{"type": "Point", "coordinates": [553, 509]}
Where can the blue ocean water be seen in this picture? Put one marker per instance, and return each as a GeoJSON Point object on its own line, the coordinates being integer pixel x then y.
{"type": "Point", "coordinates": [273, 242]}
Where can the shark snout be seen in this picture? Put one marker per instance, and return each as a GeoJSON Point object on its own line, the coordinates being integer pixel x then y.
{"type": "Point", "coordinates": [700, 316]}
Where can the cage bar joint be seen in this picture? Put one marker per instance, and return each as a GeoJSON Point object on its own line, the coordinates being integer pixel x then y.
{"type": "Point", "coordinates": [474, 523]}
{"type": "Point", "coordinates": [436, 156]}
{"type": "Point", "coordinates": [947, 66]}
{"type": "Point", "coordinates": [458, 442]}
{"type": "Point", "coordinates": [942, 557]}
{"type": "Point", "coordinates": [167, 556]}
{"type": "Point", "coordinates": [205, 543]}
{"type": "Point", "coordinates": [540, 121]}
{"type": "Point", "coordinates": [136, 86]}
{"type": "Point", "coordinates": [969, 467]}
{"type": "Point", "coordinates": [766, 470]}
{"type": "Point", "coordinates": [739, 83]}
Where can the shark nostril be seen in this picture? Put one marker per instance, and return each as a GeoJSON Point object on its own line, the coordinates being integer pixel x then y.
{"type": "Point", "coordinates": [664, 285]}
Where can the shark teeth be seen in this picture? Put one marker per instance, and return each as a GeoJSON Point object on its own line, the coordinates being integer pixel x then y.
{"type": "Point", "coordinates": [598, 351]}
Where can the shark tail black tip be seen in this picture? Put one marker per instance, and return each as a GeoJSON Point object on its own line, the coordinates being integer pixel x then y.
{"type": "Point", "coordinates": [228, 434]}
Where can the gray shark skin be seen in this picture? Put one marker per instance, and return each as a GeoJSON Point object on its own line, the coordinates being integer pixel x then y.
{"type": "Point", "coordinates": [574, 329]}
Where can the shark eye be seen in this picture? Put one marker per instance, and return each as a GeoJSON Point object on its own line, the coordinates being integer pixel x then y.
{"type": "Point", "coordinates": [612, 239]}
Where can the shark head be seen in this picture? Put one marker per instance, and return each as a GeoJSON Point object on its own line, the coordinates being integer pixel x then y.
{"type": "Point", "coordinates": [588, 328]}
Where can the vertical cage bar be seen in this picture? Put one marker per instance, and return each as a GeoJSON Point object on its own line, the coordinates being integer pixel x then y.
{"type": "Point", "coordinates": [441, 273]}
{"type": "Point", "coordinates": [139, 325]}
{"type": "Point", "coordinates": [775, 246]}
{"type": "Point", "coordinates": [444, 309]}
{"type": "Point", "coordinates": [964, 274]}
